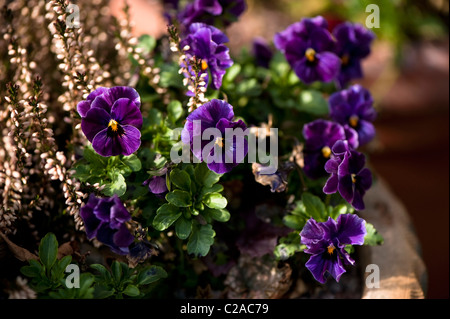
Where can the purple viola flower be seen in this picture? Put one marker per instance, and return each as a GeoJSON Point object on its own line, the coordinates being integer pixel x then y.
{"type": "Point", "coordinates": [262, 52]}
{"type": "Point", "coordinates": [309, 49]}
{"type": "Point", "coordinates": [348, 174]}
{"type": "Point", "coordinates": [320, 136]}
{"type": "Point", "coordinates": [207, 131]}
{"type": "Point", "coordinates": [354, 107]}
{"type": "Point", "coordinates": [157, 184]}
{"type": "Point", "coordinates": [105, 219]}
{"type": "Point", "coordinates": [206, 42]}
{"type": "Point", "coordinates": [213, 12]}
{"type": "Point", "coordinates": [353, 45]}
{"type": "Point", "coordinates": [326, 242]}
{"type": "Point", "coordinates": [111, 120]}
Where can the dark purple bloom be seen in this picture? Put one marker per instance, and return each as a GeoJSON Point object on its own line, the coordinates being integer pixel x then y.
{"type": "Point", "coordinates": [111, 120]}
{"type": "Point", "coordinates": [105, 219]}
{"type": "Point", "coordinates": [353, 45]}
{"type": "Point", "coordinates": [309, 49]}
{"type": "Point", "coordinates": [207, 131]}
{"type": "Point", "coordinates": [348, 174]}
{"type": "Point", "coordinates": [262, 52]}
{"type": "Point", "coordinates": [157, 184]}
{"type": "Point", "coordinates": [207, 43]}
{"type": "Point", "coordinates": [220, 13]}
{"type": "Point", "coordinates": [320, 136]}
{"type": "Point", "coordinates": [354, 107]}
{"type": "Point", "coordinates": [326, 242]}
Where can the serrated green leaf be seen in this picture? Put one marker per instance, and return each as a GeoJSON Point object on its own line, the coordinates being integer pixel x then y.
{"type": "Point", "coordinates": [132, 291]}
{"type": "Point", "coordinates": [179, 198]}
{"type": "Point", "coordinates": [314, 207]}
{"type": "Point", "coordinates": [175, 110]}
{"type": "Point", "coordinates": [133, 162]}
{"type": "Point", "coordinates": [372, 238]}
{"type": "Point", "coordinates": [204, 176]}
{"type": "Point", "coordinates": [201, 239]}
{"type": "Point", "coordinates": [118, 186]}
{"type": "Point", "coordinates": [180, 179]}
{"type": "Point", "coordinates": [183, 227]}
{"type": "Point", "coordinates": [48, 250]}
{"type": "Point", "coordinates": [215, 200]}
{"type": "Point", "coordinates": [166, 215]}
{"type": "Point", "coordinates": [150, 275]}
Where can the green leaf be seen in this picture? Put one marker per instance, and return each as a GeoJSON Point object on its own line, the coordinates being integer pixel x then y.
{"type": "Point", "coordinates": [175, 110]}
{"type": "Point", "coordinates": [147, 43]}
{"type": "Point", "coordinates": [166, 215]}
{"type": "Point", "coordinates": [82, 172]}
{"type": "Point", "coordinates": [48, 250]}
{"type": "Point", "coordinates": [154, 117]}
{"type": "Point", "coordinates": [132, 291]}
{"type": "Point", "coordinates": [313, 102]}
{"type": "Point", "coordinates": [201, 239]}
{"type": "Point", "coordinates": [338, 210]}
{"type": "Point", "coordinates": [103, 291]}
{"type": "Point", "coordinates": [95, 160]}
{"type": "Point", "coordinates": [179, 198]}
{"type": "Point", "coordinates": [221, 215]}
{"type": "Point", "coordinates": [31, 271]}
{"type": "Point", "coordinates": [180, 179]}
{"type": "Point", "coordinates": [204, 176]}
{"type": "Point", "coordinates": [150, 275]}
{"type": "Point", "coordinates": [232, 73]}
{"type": "Point", "coordinates": [183, 227]}
{"type": "Point", "coordinates": [372, 238]}
{"type": "Point", "coordinates": [314, 207]}
{"type": "Point", "coordinates": [215, 200]}
{"type": "Point", "coordinates": [288, 246]}
{"type": "Point", "coordinates": [116, 270]}
{"type": "Point", "coordinates": [132, 162]}
{"type": "Point", "coordinates": [294, 221]}
{"type": "Point", "coordinates": [105, 275]}
{"type": "Point", "coordinates": [216, 188]}
{"type": "Point", "coordinates": [117, 186]}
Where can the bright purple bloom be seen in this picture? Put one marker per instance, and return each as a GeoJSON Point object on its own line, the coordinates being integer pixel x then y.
{"type": "Point", "coordinates": [111, 120]}
{"type": "Point", "coordinates": [309, 49]}
{"type": "Point", "coordinates": [348, 174]}
{"type": "Point", "coordinates": [320, 136]}
{"type": "Point", "coordinates": [219, 149]}
{"type": "Point", "coordinates": [105, 219]}
{"type": "Point", "coordinates": [262, 52]}
{"type": "Point", "coordinates": [353, 45]}
{"type": "Point", "coordinates": [157, 184]}
{"type": "Point", "coordinates": [220, 13]}
{"type": "Point", "coordinates": [207, 43]}
{"type": "Point", "coordinates": [326, 242]}
{"type": "Point", "coordinates": [354, 107]}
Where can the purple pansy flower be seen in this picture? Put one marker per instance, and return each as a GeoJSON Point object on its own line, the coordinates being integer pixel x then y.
{"type": "Point", "coordinates": [105, 219]}
{"type": "Point", "coordinates": [354, 107]}
{"type": "Point", "coordinates": [157, 184]}
{"type": "Point", "coordinates": [320, 136]}
{"type": "Point", "coordinates": [111, 120]}
{"type": "Point", "coordinates": [348, 174]}
{"type": "Point", "coordinates": [226, 150]}
{"type": "Point", "coordinates": [309, 49]}
{"type": "Point", "coordinates": [213, 12]}
{"type": "Point", "coordinates": [262, 52]}
{"type": "Point", "coordinates": [326, 242]}
{"type": "Point", "coordinates": [353, 45]}
{"type": "Point", "coordinates": [207, 43]}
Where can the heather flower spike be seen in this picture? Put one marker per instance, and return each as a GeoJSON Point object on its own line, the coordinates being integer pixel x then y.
{"type": "Point", "coordinates": [309, 48]}
{"type": "Point", "coordinates": [348, 174]}
{"type": "Point", "coordinates": [105, 219]}
{"type": "Point", "coordinates": [320, 136]}
{"type": "Point", "coordinates": [326, 241]}
{"type": "Point", "coordinates": [111, 120]}
{"type": "Point", "coordinates": [353, 45]}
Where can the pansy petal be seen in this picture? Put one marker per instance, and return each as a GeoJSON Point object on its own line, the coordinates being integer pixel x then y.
{"type": "Point", "coordinates": [366, 132]}
{"type": "Point", "coordinates": [345, 187]}
{"type": "Point", "coordinates": [357, 201]}
{"type": "Point", "coordinates": [331, 185]}
{"type": "Point", "coordinates": [83, 107]}
{"type": "Point", "coordinates": [328, 66]}
{"type": "Point", "coordinates": [106, 145]}
{"type": "Point", "coordinates": [158, 185]}
{"type": "Point", "coordinates": [126, 112]}
{"type": "Point", "coordinates": [364, 179]}
{"type": "Point", "coordinates": [130, 141]}
{"type": "Point", "coordinates": [119, 92]}
{"type": "Point", "coordinates": [351, 229]}
{"type": "Point", "coordinates": [312, 232]}
{"type": "Point", "coordinates": [123, 237]}
{"type": "Point", "coordinates": [96, 120]}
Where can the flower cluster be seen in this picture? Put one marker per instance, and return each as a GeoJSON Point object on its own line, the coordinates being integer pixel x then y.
{"type": "Point", "coordinates": [315, 54]}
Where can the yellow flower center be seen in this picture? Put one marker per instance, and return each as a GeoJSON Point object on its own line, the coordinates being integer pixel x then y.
{"type": "Point", "coordinates": [353, 120]}
{"type": "Point", "coordinates": [326, 152]}
{"type": "Point", "coordinates": [353, 178]}
{"type": "Point", "coordinates": [310, 55]}
{"type": "Point", "coordinates": [219, 141]}
{"type": "Point", "coordinates": [345, 59]}
{"type": "Point", "coordinates": [113, 125]}
{"type": "Point", "coordinates": [331, 249]}
{"type": "Point", "coordinates": [204, 65]}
